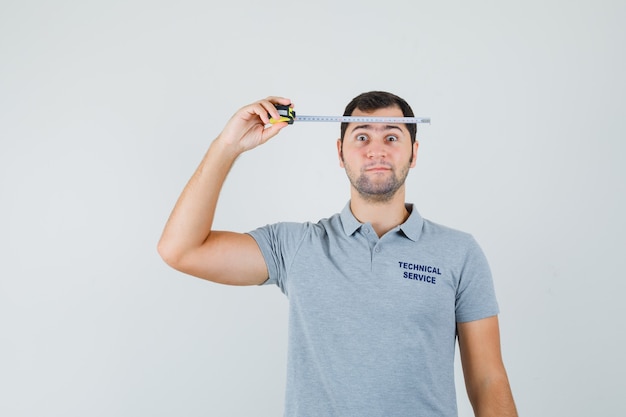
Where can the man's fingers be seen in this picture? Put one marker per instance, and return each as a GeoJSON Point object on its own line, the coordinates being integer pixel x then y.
{"type": "Point", "coordinates": [269, 105]}
{"type": "Point", "coordinates": [251, 125]}
{"type": "Point", "coordinates": [272, 130]}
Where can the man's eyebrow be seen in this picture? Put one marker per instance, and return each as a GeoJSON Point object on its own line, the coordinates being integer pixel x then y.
{"type": "Point", "coordinates": [369, 126]}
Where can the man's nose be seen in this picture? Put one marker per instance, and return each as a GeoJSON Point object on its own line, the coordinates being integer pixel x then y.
{"type": "Point", "coordinates": [376, 149]}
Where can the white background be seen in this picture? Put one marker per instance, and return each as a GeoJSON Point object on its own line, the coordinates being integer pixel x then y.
{"type": "Point", "coordinates": [106, 108]}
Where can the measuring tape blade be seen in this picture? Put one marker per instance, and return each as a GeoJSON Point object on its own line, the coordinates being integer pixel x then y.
{"type": "Point", "coordinates": [287, 114]}
{"type": "Point", "coordinates": [361, 119]}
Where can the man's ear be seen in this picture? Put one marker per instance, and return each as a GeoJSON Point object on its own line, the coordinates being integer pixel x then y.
{"type": "Point", "coordinates": [340, 152]}
{"type": "Point", "coordinates": [414, 153]}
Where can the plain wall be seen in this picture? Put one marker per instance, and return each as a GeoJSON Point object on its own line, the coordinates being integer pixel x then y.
{"type": "Point", "coordinates": [106, 108]}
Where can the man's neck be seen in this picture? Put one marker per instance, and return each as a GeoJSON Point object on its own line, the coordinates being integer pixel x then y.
{"type": "Point", "coordinates": [383, 216]}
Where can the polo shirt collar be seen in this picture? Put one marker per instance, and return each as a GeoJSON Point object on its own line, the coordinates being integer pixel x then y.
{"type": "Point", "coordinates": [412, 227]}
{"type": "Point", "coordinates": [349, 222]}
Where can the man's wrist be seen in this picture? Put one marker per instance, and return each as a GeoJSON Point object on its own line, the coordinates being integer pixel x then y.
{"type": "Point", "coordinates": [228, 150]}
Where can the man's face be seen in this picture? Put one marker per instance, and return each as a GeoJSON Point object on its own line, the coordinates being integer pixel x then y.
{"type": "Point", "coordinates": [377, 156]}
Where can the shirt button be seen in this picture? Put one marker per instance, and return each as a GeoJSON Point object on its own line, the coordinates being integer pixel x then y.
{"type": "Point", "coordinates": [367, 231]}
{"type": "Point", "coordinates": [377, 249]}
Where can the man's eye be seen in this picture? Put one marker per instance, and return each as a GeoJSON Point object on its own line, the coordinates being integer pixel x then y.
{"type": "Point", "coordinates": [392, 138]}
{"type": "Point", "coordinates": [361, 137]}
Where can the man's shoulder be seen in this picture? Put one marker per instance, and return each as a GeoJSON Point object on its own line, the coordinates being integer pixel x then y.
{"type": "Point", "coordinates": [322, 225]}
{"type": "Point", "coordinates": [436, 227]}
{"type": "Point", "coordinates": [444, 233]}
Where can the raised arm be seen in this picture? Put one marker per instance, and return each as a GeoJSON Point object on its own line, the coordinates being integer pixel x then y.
{"type": "Point", "coordinates": [485, 376]}
{"type": "Point", "coordinates": [188, 242]}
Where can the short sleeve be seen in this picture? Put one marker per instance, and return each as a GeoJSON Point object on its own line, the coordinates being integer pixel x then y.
{"type": "Point", "coordinates": [475, 298]}
{"type": "Point", "coordinates": [279, 243]}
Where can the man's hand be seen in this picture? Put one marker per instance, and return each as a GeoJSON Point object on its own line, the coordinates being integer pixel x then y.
{"type": "Point", "coordinates": [250, 126]}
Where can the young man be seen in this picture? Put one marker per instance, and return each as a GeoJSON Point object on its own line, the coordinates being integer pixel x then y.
{"type": "Point", "coordinates": [377, 294]}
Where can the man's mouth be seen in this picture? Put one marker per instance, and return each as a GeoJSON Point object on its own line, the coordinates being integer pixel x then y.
{"type": "Point", "coordinates": [378, 168]}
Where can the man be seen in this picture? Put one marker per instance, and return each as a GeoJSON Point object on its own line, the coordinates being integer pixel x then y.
{"type": "Point", "coordinates": [377, 294]}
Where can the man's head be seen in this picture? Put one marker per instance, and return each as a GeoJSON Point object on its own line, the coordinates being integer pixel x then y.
{"type": "Point", "coordinates": [374, 100]}
{"type": "Point", "coordinates": [377, 156]}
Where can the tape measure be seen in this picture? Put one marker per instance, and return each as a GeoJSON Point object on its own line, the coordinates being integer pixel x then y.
{"type": "Point", "coordinates": [287, 114]}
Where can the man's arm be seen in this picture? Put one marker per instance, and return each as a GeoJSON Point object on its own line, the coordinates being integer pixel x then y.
{"type": "Point", "coordinates": [188, 242]}
{"type": "Point", "coordinates": [485, 376]}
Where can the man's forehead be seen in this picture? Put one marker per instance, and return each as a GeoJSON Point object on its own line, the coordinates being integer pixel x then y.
{"type": "Point", "coordinates": [378, 127]}
{"type": "Point", "coordinates": [392, 111]}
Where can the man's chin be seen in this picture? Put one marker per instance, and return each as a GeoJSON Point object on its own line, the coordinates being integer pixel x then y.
{"type": "Point", "coordinates": [383, 193]}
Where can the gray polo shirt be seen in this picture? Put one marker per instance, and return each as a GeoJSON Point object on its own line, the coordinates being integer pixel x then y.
{"type": "Point", "coordinates": [372, 322]}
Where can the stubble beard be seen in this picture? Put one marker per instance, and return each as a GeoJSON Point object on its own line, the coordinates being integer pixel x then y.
{"type": "Point", "coordinates": [377, 190]}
